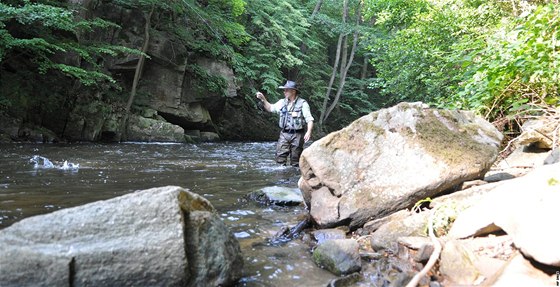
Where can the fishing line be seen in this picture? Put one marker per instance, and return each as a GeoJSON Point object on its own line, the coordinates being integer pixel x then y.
{"type": "Point", "coordinates": [216, 34]}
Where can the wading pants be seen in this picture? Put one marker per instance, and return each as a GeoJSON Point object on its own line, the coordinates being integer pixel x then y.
{"type": "Point", "coordinates": [290, 144]}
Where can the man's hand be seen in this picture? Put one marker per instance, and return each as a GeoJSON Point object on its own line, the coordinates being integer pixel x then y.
{"type": "Point", "coordinates": [266, 104]}
{"type": "Point", "coordinates": [307, 136]}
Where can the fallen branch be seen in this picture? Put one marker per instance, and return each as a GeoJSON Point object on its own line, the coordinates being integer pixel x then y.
{"type": "Point", "coordinates": [433, 258]}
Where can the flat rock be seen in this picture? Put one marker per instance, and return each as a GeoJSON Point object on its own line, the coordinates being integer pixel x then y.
{"type": "Point", "coordinates": [278, 195]}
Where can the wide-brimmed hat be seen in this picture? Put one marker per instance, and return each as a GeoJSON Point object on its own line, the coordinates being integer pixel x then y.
{"type": "Point", "coordinates": [289, 85]}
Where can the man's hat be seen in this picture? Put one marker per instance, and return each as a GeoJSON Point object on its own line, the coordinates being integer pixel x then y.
{"type": "Point", "coordinates": [289, 85]}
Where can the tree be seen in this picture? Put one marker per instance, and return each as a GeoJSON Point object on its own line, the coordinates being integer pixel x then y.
{"type": "Point", "coordinates": [176, 8]}
{"type": "Point", "coordinates": [344, 67]}
{"type": "Point", "coordinates": [41, 31]}
{"type": "Point", "coordinates": [45, 61]}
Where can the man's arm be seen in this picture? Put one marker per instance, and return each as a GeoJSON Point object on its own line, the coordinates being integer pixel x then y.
{"type": "Point", "coordinates": [266, 104]}
{"type": "Point", "coordinates": [308, 119]}
{"type": "Point", "coordinates": [307, 135]}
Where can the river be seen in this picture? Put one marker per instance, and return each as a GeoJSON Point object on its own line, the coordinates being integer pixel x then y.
{"type": "Point", "coordinates": [224, 173]}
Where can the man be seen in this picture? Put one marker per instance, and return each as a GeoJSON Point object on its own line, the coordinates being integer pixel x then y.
{"type": "Point", "coordinates": [295, 115]}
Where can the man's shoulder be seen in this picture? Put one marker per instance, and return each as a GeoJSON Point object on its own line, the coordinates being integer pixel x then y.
{"type": "Point", "coordinates": [279, 102]}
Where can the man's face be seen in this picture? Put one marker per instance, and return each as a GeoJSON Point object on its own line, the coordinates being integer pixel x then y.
{"type": "Point", "coordinates": [289, 92]}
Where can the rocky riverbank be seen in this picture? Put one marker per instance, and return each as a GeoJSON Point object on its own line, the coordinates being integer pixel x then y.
{"type": "Point", "coordinates": [416, 189]}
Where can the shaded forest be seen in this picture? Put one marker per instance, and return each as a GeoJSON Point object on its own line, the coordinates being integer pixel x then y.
{"type": "Point", "coordinates": [498, 58]}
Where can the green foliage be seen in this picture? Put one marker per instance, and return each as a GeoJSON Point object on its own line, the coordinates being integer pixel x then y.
{"type": "Point", "coordinates": [412, 55]}
{"type": "Point", "coordinates": [41, 32]}
{"type": "Point", "coordinates": [213, 27]}
{"type": "Point", "coordinates": [520, 65]}
{"type": "Point", "coordinates": [498, 58]}
{"type": "Point", "coordinates": [277, 29]}
{"type": "Point", "coordinates": [443, 217]}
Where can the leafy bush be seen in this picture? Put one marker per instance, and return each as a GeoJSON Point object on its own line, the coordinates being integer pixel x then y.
{"type": "Point", "coordinates": [519, 66]}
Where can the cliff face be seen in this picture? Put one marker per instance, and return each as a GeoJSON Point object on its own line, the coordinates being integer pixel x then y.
{"type": "Point", "coordinates": [181, 91]}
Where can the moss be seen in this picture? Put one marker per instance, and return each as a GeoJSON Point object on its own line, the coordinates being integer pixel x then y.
{"type": "Point", "coordinates": [192, 202]}
{"type": "Point", "coordinates": [352, 137]}
{"type": "Point", "coordinates": [439, 134]}
{"type": "Point", "coordinates": [324, 261]}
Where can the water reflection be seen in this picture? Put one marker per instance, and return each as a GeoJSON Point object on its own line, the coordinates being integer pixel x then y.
{"type": "Point", "coordinates": [222, 172]}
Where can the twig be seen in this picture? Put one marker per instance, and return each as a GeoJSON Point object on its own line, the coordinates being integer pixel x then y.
{"type": "Point", "coordinates": [433, 258]}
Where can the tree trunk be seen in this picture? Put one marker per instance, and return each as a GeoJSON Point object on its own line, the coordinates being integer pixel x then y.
{"type": "Point", "coordinates": [335, 68]}
{"type": "Point", "coordinates": [331, 82]}
{"type": "Point", "coordinates": [317, 8]}
{"type": "Point", "coordinates": [364, 68]}
{"type": "Point", "coordinates": [137, 72]}
{"type": "Point", "coordinates": [342, 78]}
{"type": "Point", "coordinates": [303, 46]}
{"type": "Point", "coordinates": [344, 68]}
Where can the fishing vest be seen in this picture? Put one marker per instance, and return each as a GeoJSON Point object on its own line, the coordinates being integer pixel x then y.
{"type": "Point", "coordinates": [292, 118]}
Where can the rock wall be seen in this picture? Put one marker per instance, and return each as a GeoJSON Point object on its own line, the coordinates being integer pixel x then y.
{"type": "Point", "coordinates": [174, 83]}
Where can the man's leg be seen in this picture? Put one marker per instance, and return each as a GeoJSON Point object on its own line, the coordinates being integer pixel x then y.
{"type": "Point", "coordinates": [282, 148]}
{"type": "Point", "coordinates": [296, 148]}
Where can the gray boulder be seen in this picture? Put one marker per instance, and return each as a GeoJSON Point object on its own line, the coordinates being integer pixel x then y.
{"type": "Point", "coordinates": [520, 272]}
{"type": "Point", "coordinates": [339, 256]}
{"type": "Point", "coordinates": [209, 137]}
{"type": "Point", "coordinates": [152, 130]}
{"type": "Point", "coordinates": [390, 159]}
{"type": "Point", "coordinates": [157, 237]}
{"type": "Point", "coordinates": [387, 235]}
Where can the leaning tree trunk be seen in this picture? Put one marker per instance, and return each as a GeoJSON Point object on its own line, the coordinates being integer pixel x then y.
{"type": "Point", "coordinates": [346, 63]}
{"type": "Point", "coordinates": [317, 8]}
{"type": "Point", "coordinates": [137, 71]}
{"type": "Point", "coordinates": [335, 68]}
{"type": "Point", "coordinates": [331, 82]}
{"type": "Point", "coordinates": [345, 67]}
{"type": "Point", "coordinates": [343, 74]}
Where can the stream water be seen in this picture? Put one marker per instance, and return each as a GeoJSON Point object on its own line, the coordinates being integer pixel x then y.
{"type": "Point", "coordinates": [41, 178]}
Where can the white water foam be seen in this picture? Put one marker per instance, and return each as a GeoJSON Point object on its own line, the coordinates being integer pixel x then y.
{"type": "Point", "coordinates": [41, 162]}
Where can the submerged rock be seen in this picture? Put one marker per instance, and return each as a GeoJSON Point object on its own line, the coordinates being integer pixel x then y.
{"type": "Point", "coordinates": [390, 159]}
{"type": "Point", "coordinates": [277, 195]}
{"type": "Point", "coordinates": [162, 236]}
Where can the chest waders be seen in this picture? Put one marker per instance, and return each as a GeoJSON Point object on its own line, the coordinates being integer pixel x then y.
{"type": "Point", "coordinates": [290, 142]}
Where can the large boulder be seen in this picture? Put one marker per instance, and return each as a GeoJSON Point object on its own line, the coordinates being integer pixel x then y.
{"type": "Point", "coordinates": [390, 159]}
{"type": "Point", "coordinates": [162, 236]}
